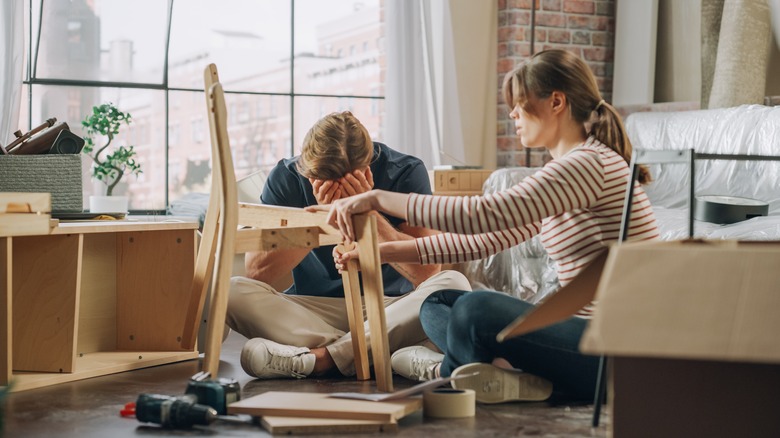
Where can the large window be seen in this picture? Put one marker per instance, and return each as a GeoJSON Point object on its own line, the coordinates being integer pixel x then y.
{"type": "Point", "coordinates": [282, 63]}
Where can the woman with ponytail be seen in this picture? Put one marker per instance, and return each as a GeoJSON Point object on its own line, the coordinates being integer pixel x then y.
{"type": "Point", "coordinates": [574, 202]}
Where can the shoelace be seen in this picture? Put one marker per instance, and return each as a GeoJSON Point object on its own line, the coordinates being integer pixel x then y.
{"type": "Point", "coordinates": [286, 364]}
{"type": "Point", "coordinates": [425, 366]}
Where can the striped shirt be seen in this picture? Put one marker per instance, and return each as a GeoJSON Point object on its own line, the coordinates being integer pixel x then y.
{"type": "Point", "coordinates": [575, 202]}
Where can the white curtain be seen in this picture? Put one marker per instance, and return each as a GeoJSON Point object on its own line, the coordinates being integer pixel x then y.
{"type": "Point", "coordinates": [408, 122]}
{"type": "Point", "coordinates": [441, 80]}
{"type": "Point", "coordinates": [11, 66]}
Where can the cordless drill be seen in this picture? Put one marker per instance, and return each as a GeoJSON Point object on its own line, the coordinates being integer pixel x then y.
{"type": "Point", "coordinates": [204, 401]}
{"type": "Point", "coordinates": [173, 412]}
{"type": "Point", "coordinates": [217, 393]}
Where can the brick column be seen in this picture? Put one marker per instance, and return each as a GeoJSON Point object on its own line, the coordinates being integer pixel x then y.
{"type": "Point", "coordinates": [584, 27]}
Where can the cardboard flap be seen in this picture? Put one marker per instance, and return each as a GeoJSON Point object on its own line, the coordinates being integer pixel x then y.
{"type": "Point", "coordinates": [714, 300]}
{"type": "Point", "coordinates": [561, 305]}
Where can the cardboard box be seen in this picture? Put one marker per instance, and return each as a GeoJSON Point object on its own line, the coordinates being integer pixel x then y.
{"type": "Point", "coordinates": [692, 332]}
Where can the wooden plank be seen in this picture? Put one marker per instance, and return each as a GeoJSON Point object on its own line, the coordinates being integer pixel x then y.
{"type": "Point", "coordinates": [24, 224]}
{"type": "Point", "coordinates": [154, 273]}
{"type": "Point", "coordinates": [311, 426]}
{"type": "Point", "coordinates": [25, 202]}
{"type": "Point", "coordinates": [100, 364]}
{"type": "Point", "coordinates": [320, 405]}
{"type": "Point", "coordinates": [6, 317]}
{"type": "Point", "coordinates": [273, 216]}
{"type": "Point", "coordinates": [357, 327]}
{"type": "Point", "coordinates": [46, 275]}
{"type": "Point", "coordinates": [374, 296]}
{"type": "Point", "coordinates": [267, 239]}
{"type": "Point", "coordinates": [87, 227]}
{"type": "Point", "coordinates": [97, 302]}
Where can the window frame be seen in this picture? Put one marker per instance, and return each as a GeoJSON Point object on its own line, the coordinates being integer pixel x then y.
{"type": "Point", "coordinates": [31, 79]}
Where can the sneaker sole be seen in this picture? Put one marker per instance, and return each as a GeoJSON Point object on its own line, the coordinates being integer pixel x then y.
{"type": "Point", "coordinates": [496, 385]}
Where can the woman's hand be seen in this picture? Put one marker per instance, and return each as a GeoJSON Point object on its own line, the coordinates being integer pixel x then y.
{"type": "Point", "coordinates": [341, 211]}
{"type": "Point", "coordinates": [343, 254]}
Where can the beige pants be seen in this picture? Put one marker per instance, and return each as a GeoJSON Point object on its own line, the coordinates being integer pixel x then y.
{"type": "Point", "coordinates": [256, 310]}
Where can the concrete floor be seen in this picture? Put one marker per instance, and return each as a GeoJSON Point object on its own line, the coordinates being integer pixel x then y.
{"type": "Point", "coordinates": [90, 408]}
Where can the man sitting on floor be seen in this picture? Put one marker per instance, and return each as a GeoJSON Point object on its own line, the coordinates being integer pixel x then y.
{"type": "Point", "coordinates": [304, 330]}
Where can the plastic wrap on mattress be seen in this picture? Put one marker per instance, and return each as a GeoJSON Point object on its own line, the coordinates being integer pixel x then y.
{"type": "Point", "coordinates": [747, 129]}
{"type": "Point", "coordinates": [524, 271]}
{"type": "Point", "coordinates": [673, 225]}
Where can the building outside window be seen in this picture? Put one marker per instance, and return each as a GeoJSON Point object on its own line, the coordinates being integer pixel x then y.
{"type": "Point", "coordinates": [275, 60]}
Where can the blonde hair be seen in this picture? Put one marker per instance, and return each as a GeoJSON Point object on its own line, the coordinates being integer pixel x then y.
{"type": "Point", "coordinates": [336, 145]}
{"type": "Point", "coordinates": [559, 70]}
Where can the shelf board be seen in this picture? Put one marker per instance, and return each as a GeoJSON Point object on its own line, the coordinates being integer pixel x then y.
{"type": "Point", "coordinates": [100, 364]}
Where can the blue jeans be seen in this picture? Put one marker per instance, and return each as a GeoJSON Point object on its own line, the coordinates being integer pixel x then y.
{"type": "Point", "coordinates": [464, 326]}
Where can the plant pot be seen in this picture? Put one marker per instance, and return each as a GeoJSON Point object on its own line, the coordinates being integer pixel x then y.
{"type": "Point", "coordinates": [108, 204]}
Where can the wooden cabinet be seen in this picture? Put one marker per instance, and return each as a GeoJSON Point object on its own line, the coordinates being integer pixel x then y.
{"type": "Point", "coordinates": [93, 298]}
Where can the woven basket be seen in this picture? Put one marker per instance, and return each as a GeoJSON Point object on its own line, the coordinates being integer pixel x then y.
{"type": "Point", "coordinates": [59, 175]}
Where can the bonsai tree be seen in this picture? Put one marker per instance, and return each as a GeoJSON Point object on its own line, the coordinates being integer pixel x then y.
{"type": "Point", "coordinates": [109, 165]}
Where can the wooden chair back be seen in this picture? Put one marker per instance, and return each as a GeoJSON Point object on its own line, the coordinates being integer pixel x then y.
{"type": "Point", "coordinates": [275, 228]}
{"type": "Point", "coordinates": [208, 242]}
{"type": "Point", "coordinates": [217, 245]}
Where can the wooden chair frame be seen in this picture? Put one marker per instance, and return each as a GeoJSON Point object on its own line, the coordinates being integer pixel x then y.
{"type": "Point", "coordinates": [268, 228]}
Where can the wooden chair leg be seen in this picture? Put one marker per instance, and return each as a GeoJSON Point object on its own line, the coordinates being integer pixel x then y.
{"type": "Point", "coordinates": [370, 265]}
{"type": "Point", "coordinates": [355, 316]}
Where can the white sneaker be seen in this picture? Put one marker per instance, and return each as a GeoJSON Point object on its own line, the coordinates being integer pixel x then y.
{"type": "Point", "coordinates": [497, 385]}
{"type": "Point", "coordinates": [416, 362]}
{"type": "Point", "coordinates": [266, 359]}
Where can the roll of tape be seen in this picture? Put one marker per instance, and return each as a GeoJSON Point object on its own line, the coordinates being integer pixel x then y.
{"type": "Point", "coordinates": [449, 403]}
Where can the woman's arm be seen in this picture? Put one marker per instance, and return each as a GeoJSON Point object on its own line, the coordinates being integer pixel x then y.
{"type": "Point", "coordinates": [341, 211]}
{"type": "Point", "coordinates": [446, 248]}
{"type": "Point", "coordinates": [459, 248]}
{"type": "Point", "coordinates": [566, 184]}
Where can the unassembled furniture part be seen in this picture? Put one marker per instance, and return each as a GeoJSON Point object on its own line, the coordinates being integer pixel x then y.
{"type": "Point", "coordinates": [92, 298]}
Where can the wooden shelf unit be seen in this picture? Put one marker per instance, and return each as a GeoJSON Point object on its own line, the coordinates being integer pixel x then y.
{"type": "Point", "coordinates": [93, 298]}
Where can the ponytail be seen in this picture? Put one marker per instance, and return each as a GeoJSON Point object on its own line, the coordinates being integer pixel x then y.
{"type": "Point", "coordinates": [608, 128]}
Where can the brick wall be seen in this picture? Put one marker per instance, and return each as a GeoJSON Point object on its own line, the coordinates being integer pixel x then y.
{"type": "Point", "coordinates": [585, 27]}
